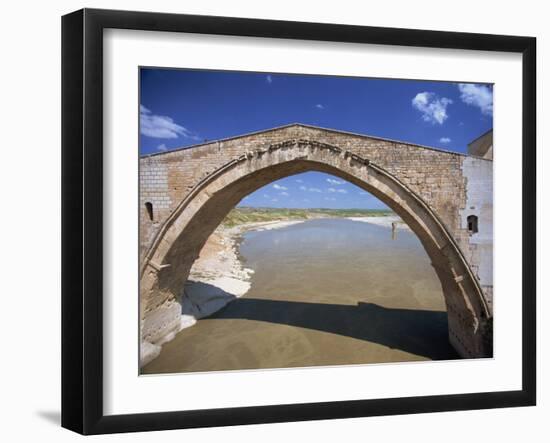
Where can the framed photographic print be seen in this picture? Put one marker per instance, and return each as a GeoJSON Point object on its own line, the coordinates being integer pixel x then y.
{"type": "Point", "coordinates": [269, 221]}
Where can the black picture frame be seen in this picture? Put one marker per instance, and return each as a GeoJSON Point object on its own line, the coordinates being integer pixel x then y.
{"type": "Point", "coordinates": [82, 219]}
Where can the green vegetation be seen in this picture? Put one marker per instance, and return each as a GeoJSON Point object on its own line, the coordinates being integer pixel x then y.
{"type": "Point", "coordinates": [241, 215]}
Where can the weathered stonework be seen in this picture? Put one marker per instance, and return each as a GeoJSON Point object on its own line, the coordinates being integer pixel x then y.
{"type": "Point", "coordinates": [192, 189]}
{"type": "Point", "coordinates": [478, 246]}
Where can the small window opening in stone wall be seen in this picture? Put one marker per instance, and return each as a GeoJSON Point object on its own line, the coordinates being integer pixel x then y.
{"type": "Point", "coordinates": [149, 207]}
{"type": "Point", "coordinates": [472, 224]}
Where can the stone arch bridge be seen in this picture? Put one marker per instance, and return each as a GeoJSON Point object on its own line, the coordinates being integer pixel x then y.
{"type": "Point", "coordinates": [186, 193]}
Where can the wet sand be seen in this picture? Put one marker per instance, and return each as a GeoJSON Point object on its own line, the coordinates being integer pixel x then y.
{"type": "Point", "coordinates": [323, 292]}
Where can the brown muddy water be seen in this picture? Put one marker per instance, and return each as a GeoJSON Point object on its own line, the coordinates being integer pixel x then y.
{"type": "Point", "coordinates": [324, 292]}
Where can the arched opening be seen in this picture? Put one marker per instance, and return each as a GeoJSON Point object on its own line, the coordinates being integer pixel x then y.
{"type": "Point", "coordinates": [312, 261]}
{"type": "Point", "coordinates": [472, 224]}
{"type": "Point", "coordinates": [149, 209]}
{"type": "Point", "coordinates": [168, 261]}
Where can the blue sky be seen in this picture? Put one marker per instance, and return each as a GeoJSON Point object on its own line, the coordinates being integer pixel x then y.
{"type": "Point", "coordinates": [312, 190]}
{"type": "Point", "coordinates": [181, 108]}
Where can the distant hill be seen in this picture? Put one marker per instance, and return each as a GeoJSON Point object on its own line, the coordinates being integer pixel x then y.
{"type": "Point", "coordinates": [243, 214]}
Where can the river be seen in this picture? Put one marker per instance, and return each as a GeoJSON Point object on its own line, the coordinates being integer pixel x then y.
{"type": "Point", "coordinates": [324, 292]}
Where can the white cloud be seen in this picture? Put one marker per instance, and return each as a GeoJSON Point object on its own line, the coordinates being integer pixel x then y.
{"type": "Point", "coordinates": [305, 188]}
{"type": "Point", "coordinates": [432, 107]}
{"type": "Point", "coordinates": [333, 181]}
{"type": "Point", "coordinates": [319, 106]}
{"type": "Point", "coordinates": [160, 126]}
{"type": "Point", "coordinates": [299, 180]}
{"type": "Point", "coordinates": [269, 79]}
{"type": "Point", "coordinates": [445, 140]}
{"type": "Point", "coordinates": [341, 191]}
{"type": "Point", "coordinates": [284, 194]}
{"type": "Point", "coordinates": [279, 187]}
{"type": "Point", "coordinates": [266, 196]}
{"type": "Point", "coordinates": [162, 147]}
{"type": "Point", "coordinates": [332, 199]}
{"type": "Point", "coordinates": [274, 199]}
{"type": "Point", "coordinates": [477, 95]}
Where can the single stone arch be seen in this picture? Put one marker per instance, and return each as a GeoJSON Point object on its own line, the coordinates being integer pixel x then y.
{"type": "Point", "coordinates": [167, 262]}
